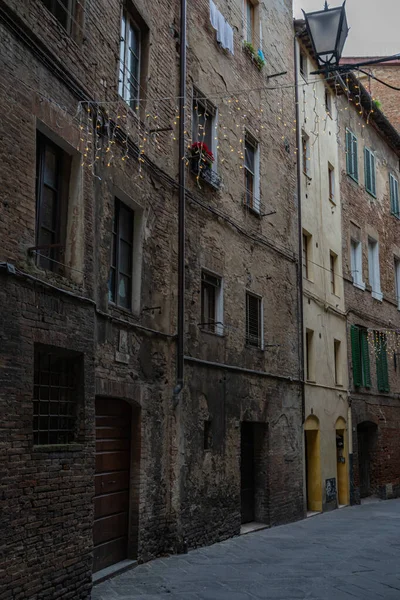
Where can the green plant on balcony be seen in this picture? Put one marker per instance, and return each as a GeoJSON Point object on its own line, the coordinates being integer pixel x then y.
{"type": "Point", "coordinates": [257, 60]}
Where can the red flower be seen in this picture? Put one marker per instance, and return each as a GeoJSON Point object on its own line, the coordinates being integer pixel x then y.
{"type": "Point", "coordinates": [202, 148]}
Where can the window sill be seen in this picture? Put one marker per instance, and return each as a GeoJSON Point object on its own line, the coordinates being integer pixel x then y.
{"type": "Point", "coordinates": [121, 310]}
{"type": "Point", "coordinates": [58, 448]}
{"type": "Point", "coordinates": [352, 178]}
{"type": "Point", "coordinates": [360, 286]}
{"type": "Point", "coordinates": [396, 215]}
{"type": "Point", "coordinates": [213, 333]}
{"type": "Point", "coordinates": [370, 193]}
{"type": "Point", "coordinates": [377, 295]}
{"type": "Point", "coordinates": [250, 346]}
{"type": "Point", "coordinates": [252, 210]}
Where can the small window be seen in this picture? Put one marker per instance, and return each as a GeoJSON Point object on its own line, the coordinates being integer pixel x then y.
{"type": "Point", "coordinates": [120, 279]}
{"type": "Point", "coordinates": [373, 269]}
{"type": "Point", "coordinates": [351, 155]}
{"type": "Point", "coordinates": [305, 149]}
{"type": "Point", "coordinates": [397, 280]}
{"type": "Point", "coordinates": [356, 263]}
{"type": "Point", "coordinates": [338, 363]}
{"type": "Point", "coordinates": [68, 13]}
{"type": "Point", "coordinates": [303, 65]}
{"type": "Point", "coordinates": [333, 272]}
{"type": "Point", "coordinates": [53, 169]}
{"type": "Point", "coordinates": [360, 357]}
{"type": "Point", "coordinates": [307, 256]}
{"type": "Point", "coordinates": [254, 325]}
{"type": "Point", "coordinates": [250, 22]}
{"type": "Point", "coordinates": [204, 123]}
{"type": "Point", "coordinates": [382, 370]}
{"type": "Point", "coordinates": [370, 172]}
{"type": "Point", "coordinates": [130, 58]}
{"type": "Point", "coordinates": [252, 173]}
{"type": "Point", "coordinates": [394, 196]}
{"type": "Point", "coordinates": [211, 303]}
{"type": "Point", "coordinates": [331, 178]}
{"type": "Point", "coordinates": [310, 355]}
{"type": "Point", "coordinates": [328, 102]}
{"type": "Point", "coordinates": [207, 440]}
{"type": "Point", "coordinates": [57, 384]}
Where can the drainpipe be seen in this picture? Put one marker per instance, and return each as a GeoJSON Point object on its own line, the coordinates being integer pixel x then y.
{"type": "Point", "coordinates": [300, 234]}
{"type": "Point", "coordinates": [181, 212]}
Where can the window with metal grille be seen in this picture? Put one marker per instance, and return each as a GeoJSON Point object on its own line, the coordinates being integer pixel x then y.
{"type": "Point", "coordinates": [254, 325]}
{"type": "Point", "coordinates": [120, 279]}
{"type": "Point", "coordinates": [394, 195]}
{"type": "Point", "coordinates": [211, 303]}
{"type": "Point", "coordinates": [57, 379]}
{"type": "Point", "coordinates": [370, 171]}
{"type": "Point", "coordinates": [68, 13]}
{"type": "Point", "coordinates": [130, 56]}
{"type": "Point", "coordinates": [252, 173]}
{"type": "Point", "coordinates": [52, 182]}
{"type": "Point", "coordinates": [351, 155]}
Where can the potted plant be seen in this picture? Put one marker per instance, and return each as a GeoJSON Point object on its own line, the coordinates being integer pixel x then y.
{"type": "Point", "coordinates": [200, 154]}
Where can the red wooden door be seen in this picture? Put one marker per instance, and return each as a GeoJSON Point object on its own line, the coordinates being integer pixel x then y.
{"type": "Point", "coordinates": [111, 502]}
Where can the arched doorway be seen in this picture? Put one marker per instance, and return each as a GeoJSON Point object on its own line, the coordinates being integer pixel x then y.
{"type": "Point", "coordinates": [313, 464]}
{"type": "Point", "coordinates": [114, 476]}
{"type": "Point", "coordinates": [342, 462]}
{"type": "Point", "coordinates": [367, 433]}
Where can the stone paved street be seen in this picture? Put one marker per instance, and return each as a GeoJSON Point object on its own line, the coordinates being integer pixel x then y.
{"type": "Point", "coordinates": [342, 555]}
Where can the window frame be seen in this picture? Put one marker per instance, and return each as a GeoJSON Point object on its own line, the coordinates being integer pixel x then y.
{"type": "Point", "coordinates": [248, 5]}
{"type": "Point", "coordinates": [356, 263]}
{"type": "Point", "coordinates": [333, 262]}
{"type": "Point", "coordinates": [211, 110]}
{"type": "Point", "coordinates": [382, 367]}
{"type": "Point", "coordinates": [331, 183]}
{"type": "Point", "coordinates": [397, 280]}
{"type": "Point", "coordinates": [306, 154]}
{"type": "Point", "coordinates": [71, 14]}
{"type": "Point", "coordinates": [352, 169]}
{"type": "Point", "coordinates": [303, 64]}
{"type": "Point", "coordinates": [360, 357]}
{"type": "Point", "coordinates": [394, 195]}
{"type": "Point", "coordinates": [328, 102]}
{"type": "Point", "coordinates": [214, 325]}
{"type": "Point", "coordinates": [374, 277]}
{"type": "Point", "coordinates": [310, 355]}
{"type": "Point", "coordinates": [250, 340]}
{"type": "Point", "coordinates": [115, 252]}
{"type": "Point", "coordinates": [252, 202]}
{"type": "Point", "coordinates": [124, 89]}
{"type": "Point", "coordinates": [337, 349]}
{"type": "Point", "coordinates": [370, 171]}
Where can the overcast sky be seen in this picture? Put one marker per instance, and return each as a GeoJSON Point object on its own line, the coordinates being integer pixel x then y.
{"type": "Point", "coordinates": [374, 25]}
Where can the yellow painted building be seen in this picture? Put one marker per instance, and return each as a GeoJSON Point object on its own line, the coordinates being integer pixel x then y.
{"type": "Point", "coordinates": [326, 427]}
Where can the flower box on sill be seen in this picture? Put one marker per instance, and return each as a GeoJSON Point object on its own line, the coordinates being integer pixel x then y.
{"type": "Point", "coordinates": [203, 169]}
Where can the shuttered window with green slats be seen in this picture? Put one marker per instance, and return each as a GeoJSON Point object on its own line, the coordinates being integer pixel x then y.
{"type": "Point", "coordinates": [394, 195]}
{"type": "Point", "coordinates": [382, 371]}
{"type": "Point", "coordinates": [351, 155]}
{"type": "Point", "coordinates": [370, 171]}
{"type": "Point", "coordinates": [360, 355]}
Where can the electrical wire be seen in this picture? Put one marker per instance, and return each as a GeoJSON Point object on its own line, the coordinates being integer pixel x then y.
{"type": "Point", "coordinates": [392, 87]}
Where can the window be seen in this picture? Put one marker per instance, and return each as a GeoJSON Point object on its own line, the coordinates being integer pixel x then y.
{"type": "Point", "coordinates": [57, 382]}
{"type": "Point", "coordinates": [360, 356]}
{"type": "Point", "coordinates": [129, 61]}
{"type": "Point", "coordinates": [207, 441]}
{"type": "Point", "coordinates": [303, 65]}
{"type": "Point", "coordinates": [394, 195]}
{"type": "Point", "coordinates": [254, 321]}
{"type": "Point", "coordinates": [211, 303]}
{"type": "Point", "coordinates": [338, 363]}
{"type": "Point", "coordinates": [397, 280]}
{"type": "Point", "coordinates": [307, 255]}
{"type": "Point", "coordinates": [331, 180]}
{"type": "Point", "coordinates": [52, 180]}
{"type": "Point", "coordinates": [305, 149]}
{"type": "Point", "coordinates": [67, 13]}
{"type": "Point", "coordinates": [356, 263]}
{"type": "Point", "coordinates": [120, 280]}
{"type": "Point", "coordinates": [382, 371]}
{"type": "Point", "coordinates": [252, 173]}
{"type": "Point", "coordinates": [373, 269]}
{"type": "Point", "coordinates": [250, 20]}
{"type": "Point", "coordinates": [333, 271]}
{"type": "Point", "coordinates": [204, 123]}
{"type": "Point", "coordinates": [370, 172]}
{"type": "Point", "coordinates": [328, 102]}
{"type": "Point", "coordinates": [351, 155]}
{"type": "Point", "coordinates": [310, 357]}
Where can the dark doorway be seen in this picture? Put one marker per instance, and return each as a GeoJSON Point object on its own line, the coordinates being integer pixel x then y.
{"type": "Point", "coordinates": [247, 475]}
{"type": "Point", "coordinates": [366, 435]}
{"type": "Point", "coordinates": [112, 482]}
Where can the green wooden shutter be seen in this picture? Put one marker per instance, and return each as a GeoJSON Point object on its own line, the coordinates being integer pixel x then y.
{"type": "Point", "coordinates": [395, 185]}
{"type": "Point", "coordinates": [391, 191]}
{"type": "Point", "coordinates": [367, 169]}
{"type": "Point", "coordinates": [366, 369]}
{"type": "Point", "coordinates": [355, 157]}
{"type": "Point", "coordinates": [349, 153]}
{"type": "Point", "coordinates": [382, 370]}
{"type": "Point", "coordinates": [373, 173]}
{"type": "Point", "coordinates": [355, 351]}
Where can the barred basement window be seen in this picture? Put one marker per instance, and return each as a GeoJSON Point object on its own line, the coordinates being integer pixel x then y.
{"type": "Point", "coordinates": [57, 377]}
{"type": "Point", "coordinates": [254, 324]}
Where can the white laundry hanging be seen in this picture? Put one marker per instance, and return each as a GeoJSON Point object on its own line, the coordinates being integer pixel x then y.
{"type": "Point", "coordinates": [222, 27]}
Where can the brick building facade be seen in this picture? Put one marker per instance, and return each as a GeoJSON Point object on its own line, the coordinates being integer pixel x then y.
{"type": "Point", "coordinates": [100, 464]}
{"type": "Point", "coordinates": [370, 151]}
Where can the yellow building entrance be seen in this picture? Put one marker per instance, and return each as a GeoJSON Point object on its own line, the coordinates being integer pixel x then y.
{"type": "Point", "coordinates": [342, 462]}
{"type": "Point", "coordinates": [313, 463]}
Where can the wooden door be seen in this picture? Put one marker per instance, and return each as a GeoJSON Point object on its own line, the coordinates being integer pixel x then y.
{"type": "Point", "coordinates": [247, 480]}
{"type": "Point", "coordinates": [112, 480]}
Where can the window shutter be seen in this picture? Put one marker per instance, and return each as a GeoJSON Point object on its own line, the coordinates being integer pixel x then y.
{"type": "Point", "coordinates": [394, 195]}
{"type": "Point", "coordinates": [355, 351]}
{"type": "Point", "coordinates": [367, 169]}
{"type": "Point", "coordinates": [349, 153]}
{"type": "Point", "coordinates": [373, 173]}
{"type": "Point", "coordinates": [391, 193]}
{"type": "Point", "coordinates": [355, 157]}
{"type": "Point", "coordinates": [382, 370]}
{"type": "Point", "coordinates": [366, 369]}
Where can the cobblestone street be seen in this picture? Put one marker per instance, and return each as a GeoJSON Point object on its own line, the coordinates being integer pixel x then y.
{"type": "Point", "coordinates": [342, 555]}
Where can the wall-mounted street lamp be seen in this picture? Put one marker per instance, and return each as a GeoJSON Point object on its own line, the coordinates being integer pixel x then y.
{"type": "Point", "coordinates": [328, 30]}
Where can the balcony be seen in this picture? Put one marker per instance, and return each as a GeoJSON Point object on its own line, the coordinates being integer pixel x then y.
{"type": "Point", "coordinates": [205, 172]}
